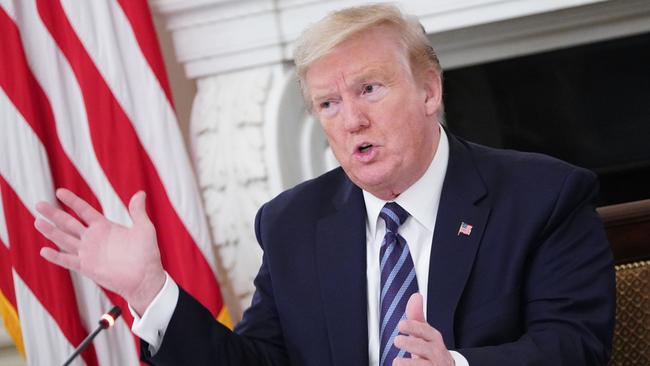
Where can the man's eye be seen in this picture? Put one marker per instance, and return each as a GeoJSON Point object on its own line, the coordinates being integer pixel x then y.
{"type": "Point", "coordinates": [373, 92]}
{"type": "Point", "coordinates": [328, 108]}
{"type": "Point", "coordinates": [369, 88]}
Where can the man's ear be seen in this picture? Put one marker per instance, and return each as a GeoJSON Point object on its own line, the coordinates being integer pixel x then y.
{"type": "Point", "coordinates": [432, 84]}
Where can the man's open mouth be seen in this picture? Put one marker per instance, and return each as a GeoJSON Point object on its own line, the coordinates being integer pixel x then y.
{"type": "Point", "coordinates": [364, 148]}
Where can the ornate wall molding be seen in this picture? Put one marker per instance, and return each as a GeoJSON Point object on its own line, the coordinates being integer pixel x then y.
{"type": "Point", "coordinates": [229, 152]}
{"type": "Point", "coordinates": [565, 27]}
{"type": "Point", "coordinates": [216, 36]}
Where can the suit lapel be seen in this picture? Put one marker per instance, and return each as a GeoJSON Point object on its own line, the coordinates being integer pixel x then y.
{"type": "Point", "coordinates": [453, 253]}
{"type": "Point", "coordinates": [341, 261]}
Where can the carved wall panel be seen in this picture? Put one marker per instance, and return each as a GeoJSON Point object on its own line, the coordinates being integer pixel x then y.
{"type": "Point", "coordinates": [229, 151]}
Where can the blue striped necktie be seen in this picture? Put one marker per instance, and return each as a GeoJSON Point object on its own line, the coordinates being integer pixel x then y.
{"type": "Point", "coordinates": [398, 282]}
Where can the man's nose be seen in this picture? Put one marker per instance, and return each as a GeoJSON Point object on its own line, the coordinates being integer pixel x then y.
{"type": "Point", "coordinates": [355, 118]}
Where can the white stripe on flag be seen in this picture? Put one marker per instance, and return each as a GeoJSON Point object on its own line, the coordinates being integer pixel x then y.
{"type": "Point", "coordinates": [18, 145]}
{"type": "Point", "coordinates": [17, 140]}
{"type": "Point", "coordinates": [4, 236]}
{"type": "Point", "coordinates": [114, 347]}
{"type": "Point", "coordinates": [35, 185]}
{"type": "Point", "coordinates": [106, 33]}
{"type": "Point", "coordinates": [68, 107]}
{"type": "Point", "coordinates": [8, 6]}
{"type": "Point", "coordinates": [57, 348]}
{"type": "Point", "coordinates": [138, 91]}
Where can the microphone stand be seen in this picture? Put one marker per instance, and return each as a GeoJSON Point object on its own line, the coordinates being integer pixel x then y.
{"type": "Point", "coordinates": [106, 321]}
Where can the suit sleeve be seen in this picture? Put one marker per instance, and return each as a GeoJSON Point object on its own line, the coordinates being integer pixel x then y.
{"type": "Point", "coordinates": [569, 292]}
{"type": "Point", "coordinates": [194, 337]}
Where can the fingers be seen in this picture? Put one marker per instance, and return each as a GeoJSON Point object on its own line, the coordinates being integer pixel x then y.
{"type": "Point", "coordinates": [410, 362]}
{"type": "Point", "coordinates": [415, 346]}
{"type": "Point", "coordinates": [60, 219]}
{"type": "Point", "coordinates": [66, 242]}
{"type": "Point", "coordinates": [65, 260]}
{"type": "Point", "coordinates": [419, 329]}
{"type": "Point", "coordinates": [138, 208]}
{"type": "Point", "coordinates": [422, 341]}
{"type": "Point", "coordinates": [85, 211]}
{"type": "Point", "coordinates": [415, 308]}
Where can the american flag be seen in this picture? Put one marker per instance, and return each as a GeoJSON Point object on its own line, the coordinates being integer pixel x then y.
{"type": "Point", "coordinates": [464, 229]}
{"type": "Point", "coordinates": [85, 104]}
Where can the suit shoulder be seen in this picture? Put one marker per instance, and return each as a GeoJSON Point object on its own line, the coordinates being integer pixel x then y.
{"type": "Point", "coordinates": [534, 168]}
{"type": "Point", "coordinates": [311, 195]}
{"type": "Point", "coordinates": [532, 179]}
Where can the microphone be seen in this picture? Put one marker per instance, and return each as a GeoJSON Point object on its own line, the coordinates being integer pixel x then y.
{"type": "Point", "coordinates": [106, 321]}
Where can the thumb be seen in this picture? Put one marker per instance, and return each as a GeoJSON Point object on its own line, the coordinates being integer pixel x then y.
{"type": "Point", "coordinates": [414, 307]}
{"type": "Point", "coordinates": [137, 207]}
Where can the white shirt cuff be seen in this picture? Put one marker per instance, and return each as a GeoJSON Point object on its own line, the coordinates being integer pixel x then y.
{"type": "Point", "coordinates": [151, 327]}
{"type": "Point", "coordinates": [459, 359]}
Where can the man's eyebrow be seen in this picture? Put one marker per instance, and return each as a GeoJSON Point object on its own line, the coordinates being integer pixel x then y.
{"type": "Point", "coordinates": [327, 94]}
{"type": "Point", "coordinates": [364, 75]}
{"type": "Point", "coordinates": [372, 73]}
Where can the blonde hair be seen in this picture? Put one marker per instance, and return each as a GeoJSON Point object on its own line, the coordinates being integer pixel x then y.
{"type": "Point", "coordinates": [322, 37]}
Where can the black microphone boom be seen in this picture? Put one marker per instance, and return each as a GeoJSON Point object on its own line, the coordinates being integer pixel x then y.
{"type": "Point", "coordinates": [106, 321]}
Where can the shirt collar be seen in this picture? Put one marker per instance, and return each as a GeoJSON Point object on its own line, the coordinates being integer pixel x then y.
{"type": "Point", "coordinates": [422, 198]}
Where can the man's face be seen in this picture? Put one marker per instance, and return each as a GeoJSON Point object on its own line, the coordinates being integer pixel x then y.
{"type": "Point", "coordinates": [380, 121]}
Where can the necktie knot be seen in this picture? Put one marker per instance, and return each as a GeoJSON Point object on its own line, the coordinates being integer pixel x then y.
{"type": "Point", "coordinates": [394, 216]}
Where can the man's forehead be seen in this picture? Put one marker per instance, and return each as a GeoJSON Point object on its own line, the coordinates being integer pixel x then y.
{"type": "Point", "coordinates": [371, 54]}
{"type": "Point", "coordinates": [324, 77]}
{"type": "Point", "coordinates": [324, 87]}
{"type": "Point", "coordinates": [345, 70]}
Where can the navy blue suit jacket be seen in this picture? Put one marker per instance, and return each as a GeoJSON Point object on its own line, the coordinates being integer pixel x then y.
{"type": "Point", "coordinates": [532, 285]}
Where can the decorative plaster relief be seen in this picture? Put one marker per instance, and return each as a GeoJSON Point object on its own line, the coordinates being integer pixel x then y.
{"type": "Point", "coordinates": [228, 146]}
{"type": "Point", "coordinates": [252, 138]}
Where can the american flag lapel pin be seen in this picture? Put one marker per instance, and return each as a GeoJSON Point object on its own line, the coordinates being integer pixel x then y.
{"type": "Point", "coordinates": [464, 229]}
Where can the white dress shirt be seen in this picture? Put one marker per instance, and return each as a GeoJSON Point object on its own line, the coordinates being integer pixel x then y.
{"type": "Point", "coordinates": [420, 201]}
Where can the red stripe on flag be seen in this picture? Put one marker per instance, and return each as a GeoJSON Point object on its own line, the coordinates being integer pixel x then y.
{"type": "Point", "coordinates": [128, 166]}
{"type": "Point", "coordinates": [6, 275]}
{"type": "Point", "coordinates": [139, 16]}
{"type": "Point", "coordinates": [22, 88]}
{"type": "Point", "coordinates": [51, 284]}
{"type": "Point", "coordinates": [30, 100]}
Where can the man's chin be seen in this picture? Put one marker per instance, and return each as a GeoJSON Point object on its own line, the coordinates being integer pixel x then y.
{"type": "Point", "coordinates": [378, 185]}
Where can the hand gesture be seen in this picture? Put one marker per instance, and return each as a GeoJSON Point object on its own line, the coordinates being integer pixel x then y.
{"type": "Point", "coordinates": [125, 260]}
{"type": "Point", "coordinates": [421, 340]}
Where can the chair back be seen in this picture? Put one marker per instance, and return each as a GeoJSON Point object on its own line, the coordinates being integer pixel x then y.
{"type": "Point", "coordinates": [628, 230]}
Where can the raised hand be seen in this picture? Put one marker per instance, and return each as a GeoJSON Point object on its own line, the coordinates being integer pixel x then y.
{"type": "Point", "coordinates": [125, 260]}
{"type": "Point", "coordinates": [421, 340]}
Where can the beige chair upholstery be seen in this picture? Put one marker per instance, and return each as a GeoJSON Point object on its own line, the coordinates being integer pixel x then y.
{"type": "Point", "coordinates": [628, 230]}
{"type": "Point", "coordinates": [632, 333]}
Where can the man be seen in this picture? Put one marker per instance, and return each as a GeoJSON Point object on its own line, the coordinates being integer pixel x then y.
{"type": "Point", "coordinates": [421, 244]}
